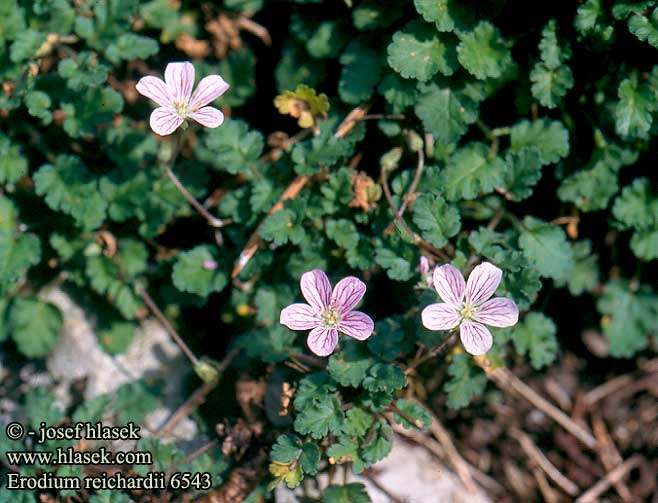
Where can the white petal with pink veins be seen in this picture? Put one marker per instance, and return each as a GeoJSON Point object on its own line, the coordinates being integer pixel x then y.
{"type": "Point", "coordinates": [357, 325]}
{"type": "Point", "coordinates": [299, 317]}
{"type": "Point", "coordinates": [180, 80]}
{"type": "Point", "coordinates": [482, 283]}
{"type": "Point", "coordinates": [440, 317]}
{"type": "Point", "coordinates": [449, 284]}
{"type": "Point", "coordinates": [498, 312]}
{"type": "Point", "coordinates": [155, 89]}
{"type": "Point", "coordinates": [348, 292]}
{"type": "Point", "coordinates": [475, 337]}
{"type": "Point", "coordinates": [322, 341]}
{"type": "Point", "coordinates": [164, 121]}
{"type": "Point", "coordinates": [316, 288]}
{"type": "Point", "coordinates": [209, 89]}
{"type": "Point", "coordinates": [208, 117]}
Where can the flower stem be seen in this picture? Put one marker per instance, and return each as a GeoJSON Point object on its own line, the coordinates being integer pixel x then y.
{"type": "Point", "coordinates": [167, 326]}
{"type": "Point", "coordinates": [212, 221]}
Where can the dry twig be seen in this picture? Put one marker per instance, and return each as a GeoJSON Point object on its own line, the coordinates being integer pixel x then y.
{"type": "Point", "coordinates": [507, 381]}
{"type": "Point", "coordinates": [534, 453]}
{"type": "Point", "coordinates": [593, 493]}
{"type": "Point", "coordinates": [291, 192]}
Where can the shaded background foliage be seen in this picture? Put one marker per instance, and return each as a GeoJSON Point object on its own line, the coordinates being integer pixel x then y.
{"type": "Point", "coordinates": [536, 140]}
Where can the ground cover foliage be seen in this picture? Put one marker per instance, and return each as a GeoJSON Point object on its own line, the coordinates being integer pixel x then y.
{"type": "Point", "coordinates": [359, 137]}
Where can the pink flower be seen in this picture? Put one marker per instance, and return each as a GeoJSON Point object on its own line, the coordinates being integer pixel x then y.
{"type": "Point", "coordinates": [466, 305]}
{"type": "Point", "coordinates": [176, 100]}
{"type": "Point", "coordinates": [327, 312]}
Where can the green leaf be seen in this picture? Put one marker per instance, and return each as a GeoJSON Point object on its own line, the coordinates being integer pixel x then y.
{"type": "Point", "coordinates": [281, 227]}
{"type": "Point", "coordinates": [470, 172]}
{"type": "Point", "coordinates": [587, 15]}
{"type": "Point", "coordinates": [466, 381]}
{"type": "Point", "coordinates": [13, 165]}
{"type": "Point", "coordinates": [347, 493]}
{"type": "Point", "coordinates": [321, 416]}
{"type": "Point", "coordinates": [349, 367]}
{"type": "Point", "coordinates": [633, 111]}
{"type": "Point", "coordinates": [422, 418]}
{"type": "Point", "coordinates": [440, 12]}
{"type": "Point", "coordinates": [343, 232]}
{"type": "Point", "coordinates": [38, 105]}
{"type": "Point", "coordinates": [18, 250]}
{"type": "Point", "coordinates": [645, 28]}
{"type": "Point", "coordinates": [357, 422]}
{"type": "Point", "coordinates": [551, 138]}
{"type": "Point", "coordinates": [26, 45]}
{"type": "Point", "coordinates": [371, 14]}
{"type": "Point", "coordinates": [398, 92]}
{"type": "Point", "coordinates": [113, 277]}
{"type": "Point", "coordinates": [545, 246]}
{"type": "Point", "coordinates": [551, 77]}
{"type": "Point", "coordinates": [636, 207]}
{"type": "Point", "coordinates": [346, 450]}
{"type": "Point", "coordinates": [523, 172]}
{"type": "Point", "coordinates": [289, 448]}
{"type": "Point", "coordinates": [629, 315]}
{"type": "Point", "coordinates": [644, 244]}
{"type": "Point", "coordinates": [238, 68]}
{"type": "Point", "coordinates": [535, 337]}
{"type": "Point", "coordinates": [385, 377]}
{"type": "Point", "coordinates": [362, 67]}
{"type": "Point", "coordinates": [389, 341]}
{"type": "Point", "coordinates": [83, 71]}
{"type": "Point", "coordinates": [131, 46]}
{"type": "Point", "coordinates": [34, 326]}
{"type": "Point", "coordinates": [445, 113]}
{"type": "Point", "coordinates": [398, 268]}
{"type": "Point", "coordinates": [233, 148]}
{"type": "Point", "coordinates": [585, 275]}
{"type": "Point", "coordinates": [417, 52]}
{"type": "Point", "coordinates": [592, 188]}
{"type": "Point", "coordinates": [197, 271]}
{"type": "Point", "coordinates": [132, 402]}
{"type": "Point", "coordinates": [68, 186]}
{"type": "Point", "coordinates": [482, 52]}
{"type": "Point", "coordinates": [549, 86]}
{"type": "Point", "coordinates": [437, 220]}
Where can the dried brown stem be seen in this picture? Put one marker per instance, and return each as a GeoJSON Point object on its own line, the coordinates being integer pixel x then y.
{"type": "Point", "coordinates": [167, 326]}
{"type": "Point", "coordinates": [197, 398]}
{"type": "Point", "coordinates": [593, 493]}
{"type": "Point", "coordinates": [534, 453]}
{"type": "Point", "coordinates": [458, 462]}
{"type": "Point", "coordinates": [609, 455]}
{"type": "Point", "coordinates": [507, 381]}
{"type": "Point", "coordinates": [370, 475]}
{"type": "Point", "coordinates": [410, 193]}
{"type": "Point", "coordinates": [291, 192]}
{"type": "Point", "coordinates": [416, 239]}
{"type": "Point", "coordinates": [418, 360]}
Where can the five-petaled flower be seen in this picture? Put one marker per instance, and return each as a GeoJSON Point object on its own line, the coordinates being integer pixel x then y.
{"type": "Point", "coordinates": [327, 312]}
{"type": "Point", "coordinates": [177, 103]}
{"type": "Point", "coordinates": [466, 305]}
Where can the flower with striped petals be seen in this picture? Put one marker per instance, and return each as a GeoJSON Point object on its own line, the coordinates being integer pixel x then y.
{"type": "Point", "coordinates": [468, 305]}
{"type": "Point", "coordinates": [328, 312]}
{"type": "Point", "coordinates": [176, 100]}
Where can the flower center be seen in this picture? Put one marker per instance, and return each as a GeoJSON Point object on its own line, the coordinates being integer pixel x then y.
{"type": "Point", "coordinates": [330, 317]}
{"type": "Point", "coordinates": [467, 312]}
{"type": "Point", "coordinates": [181, 108]}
